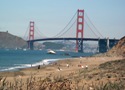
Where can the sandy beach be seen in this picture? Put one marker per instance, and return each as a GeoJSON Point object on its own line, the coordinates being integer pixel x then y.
{"type": "Point", "coordinates": [64, 68]}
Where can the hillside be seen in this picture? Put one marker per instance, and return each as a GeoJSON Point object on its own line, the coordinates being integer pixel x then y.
{"type": "Point", "coordinates": [52, 45]}
{"type": "Point", "coordinates": [118, 49]}
{"type": "Point", "coordinates": [10, 41]}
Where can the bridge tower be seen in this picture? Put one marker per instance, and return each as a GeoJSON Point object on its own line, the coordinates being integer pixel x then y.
{"type": "Point", "coordinates": [31, 34]}
{"type": "Point", "coordinates": [31, 31]}
{"type": "Point", "coordinates": [79, 30]}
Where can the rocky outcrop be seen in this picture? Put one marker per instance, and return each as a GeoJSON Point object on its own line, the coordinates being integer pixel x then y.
{"type": "Point", "coordinates": [10, 41]}
{"type": "Point", "coordinates": [118, 49]}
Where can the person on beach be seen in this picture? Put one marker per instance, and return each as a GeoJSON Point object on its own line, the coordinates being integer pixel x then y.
{"type": "Point", "coordinates": [38, 66]}
{"type": "Point", "coordinates": [67, 65]}
{"type": "Point", "coordinates": [59, 68]}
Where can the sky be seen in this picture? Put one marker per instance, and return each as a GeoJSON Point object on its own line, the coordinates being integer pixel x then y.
{"type": "Point", "coordinates": [51, 16]}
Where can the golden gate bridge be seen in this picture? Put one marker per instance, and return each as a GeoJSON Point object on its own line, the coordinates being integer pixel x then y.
{"type": "Point", "coordinates": [80, 22]}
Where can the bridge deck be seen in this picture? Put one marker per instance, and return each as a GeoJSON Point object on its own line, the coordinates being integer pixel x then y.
{"type": "Point", "coordinates": [85, 39]}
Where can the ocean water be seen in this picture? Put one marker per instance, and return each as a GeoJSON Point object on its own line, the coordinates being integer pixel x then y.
{"type": "Point", "coordinates": [11, 60]}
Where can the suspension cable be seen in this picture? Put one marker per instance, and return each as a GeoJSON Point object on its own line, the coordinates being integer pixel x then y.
{"type": "Point", "coordinates": [91, 28]}
{"type": "Point", "coordinates": [93, 25]}
{"type": "Point", "coordinates": [26, 33]}
{"type": "Point", "coordinates": [57, 35]}
{"type": "Point", "coordinates": [68, 29]}
{"type": "Point", "coordinates": [39, 32]}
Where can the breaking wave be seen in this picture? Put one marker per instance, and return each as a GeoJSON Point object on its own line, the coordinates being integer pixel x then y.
{"type": "Point", "coordinates": [22, 66]}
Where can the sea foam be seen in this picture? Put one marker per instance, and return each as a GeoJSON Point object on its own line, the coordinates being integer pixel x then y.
{"type": "Point", "coordinates": [22, 66]}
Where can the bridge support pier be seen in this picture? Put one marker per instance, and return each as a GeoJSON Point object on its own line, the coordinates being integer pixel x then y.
{"type": "Point", "coordinates": [30, 45]}
{"type": "Point", "coordinates": [106, 44]}
{"type": "Point", "coordinates": [112, 43]}
{"type": "Point", "coordinates": [102, 45]}
{"type": "Point", "coordinates": [80, 45]}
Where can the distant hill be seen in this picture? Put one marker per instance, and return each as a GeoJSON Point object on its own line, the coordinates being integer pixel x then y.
{"type": "Point", "coordinates": [52, 45]}
{"type": "Point", "coordinates": [118, 49]}
{"type": "Point", "coordinates": [10, 41]}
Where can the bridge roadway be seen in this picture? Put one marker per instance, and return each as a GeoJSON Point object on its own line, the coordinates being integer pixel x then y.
{"type": "Point", "coordinates": [103, 44]}
{"type": "Point", "coordinates": [84, 39]}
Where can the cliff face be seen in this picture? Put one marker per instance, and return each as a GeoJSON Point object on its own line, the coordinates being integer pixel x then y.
{"type": "Point", "coordinates": [10, 41]}
{"type": "Point", "coordinates": [118, 49]}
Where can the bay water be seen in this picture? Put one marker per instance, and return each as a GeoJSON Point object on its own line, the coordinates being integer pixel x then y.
{"type": "Point", "coordinates": [11, 60]}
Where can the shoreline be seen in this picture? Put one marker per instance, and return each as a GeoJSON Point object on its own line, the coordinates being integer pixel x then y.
{"type": "Point", "coordinates": [68, 60]}
{"type": "Point", "coordinates": [41, 63]}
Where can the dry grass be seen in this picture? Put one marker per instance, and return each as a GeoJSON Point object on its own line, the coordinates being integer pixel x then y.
{"type": "Point", "coordinates": [60, 83]}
